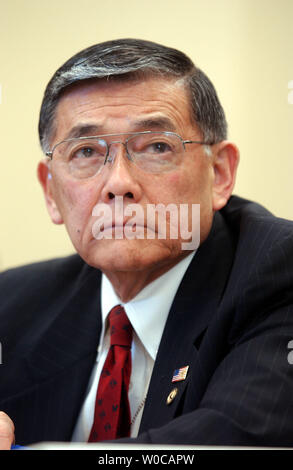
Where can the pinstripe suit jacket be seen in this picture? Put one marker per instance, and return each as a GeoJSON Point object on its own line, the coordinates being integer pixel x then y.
{"type": "Point", "coordinates": [231, 322]}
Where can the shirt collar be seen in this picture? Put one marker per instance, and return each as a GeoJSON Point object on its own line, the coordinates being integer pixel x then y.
{"type": "Point", "coordinates": [148, 310]}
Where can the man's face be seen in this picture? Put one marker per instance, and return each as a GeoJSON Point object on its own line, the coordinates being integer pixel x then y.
{"type": "Point", "coordinates": [109, 107]}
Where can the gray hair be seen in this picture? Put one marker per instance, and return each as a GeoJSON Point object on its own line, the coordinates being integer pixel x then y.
{"type": "Point", "coordinates": [133, 58]}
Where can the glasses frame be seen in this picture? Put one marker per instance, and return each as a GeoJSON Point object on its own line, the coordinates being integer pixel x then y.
{"type": "Point", "coordinates": [49, 154]}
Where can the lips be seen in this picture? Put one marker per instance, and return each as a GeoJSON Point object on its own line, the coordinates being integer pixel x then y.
{"type": "Point", "coordinates": [129, 221]}
{"type": "Point", "coordinates": [129, 226]}
{"type": "Point", "coordinates": [129, 229]}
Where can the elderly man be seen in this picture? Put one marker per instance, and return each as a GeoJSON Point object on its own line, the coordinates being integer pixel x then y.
{"type": "Point", "coordinates": [141, 336]}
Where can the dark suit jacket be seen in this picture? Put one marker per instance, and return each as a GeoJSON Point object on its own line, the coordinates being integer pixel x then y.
{"type": "Point", "coordinates": [231, 322]}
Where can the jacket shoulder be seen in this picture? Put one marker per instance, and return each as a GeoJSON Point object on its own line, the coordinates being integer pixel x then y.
{"type": "Point", "coordinates": [247, 219]}
{"type": "Point", "coordinates": [41, 272]}
{"type": "Point", "coordinates": [261, 278]}
{"type": "Point", "coordinates": [32, 297]}
{"type": "Point", "coordinates": [32, 288]}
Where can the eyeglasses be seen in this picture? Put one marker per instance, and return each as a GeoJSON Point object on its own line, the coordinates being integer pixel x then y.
{"type": "Point", "coordinates": [152, 152]}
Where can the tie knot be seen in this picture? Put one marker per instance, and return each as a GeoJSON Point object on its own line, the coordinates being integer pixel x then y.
{"type": "Point", "coordinates": [120, 327]}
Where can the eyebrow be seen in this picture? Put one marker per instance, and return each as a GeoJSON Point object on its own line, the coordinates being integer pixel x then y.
{"type": "Point", "coordinates": [149, 123]}
{"type": "Point", "coordinates": [155, 122]}
{"type": "Point", "coordinates": [81, 130]}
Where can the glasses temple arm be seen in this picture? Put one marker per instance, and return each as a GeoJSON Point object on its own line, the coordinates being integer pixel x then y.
{"type": "Point", "coordinates": [197, 142]}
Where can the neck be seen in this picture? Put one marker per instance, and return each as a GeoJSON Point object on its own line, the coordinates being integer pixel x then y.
{"type": "Point", "coordinates": [127, 284]}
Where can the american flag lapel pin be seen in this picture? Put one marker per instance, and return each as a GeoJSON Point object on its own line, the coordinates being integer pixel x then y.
{"type": "Point", "coordinates": [180, 374]}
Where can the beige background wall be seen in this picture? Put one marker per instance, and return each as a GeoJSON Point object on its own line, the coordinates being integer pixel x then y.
{"type": "Point", "coordinates": [245, 46]}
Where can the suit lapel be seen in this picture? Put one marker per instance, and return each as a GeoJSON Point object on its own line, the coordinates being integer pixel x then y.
{"type": "Point", "coordinates": [75, 331]}
{"type": "Point", "coordinates": [55, 373]}
{"type": "Point", "coordinates": [194, 305]}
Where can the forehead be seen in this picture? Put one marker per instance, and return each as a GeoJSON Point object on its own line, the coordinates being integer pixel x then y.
{"type": "Point", "coordinates": [122, 106]}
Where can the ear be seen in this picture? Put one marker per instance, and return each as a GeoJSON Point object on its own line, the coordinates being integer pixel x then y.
{"type": "Point", "coordinates": [45, 179]}
{"type": "Point", "coordinates": [226, 159]}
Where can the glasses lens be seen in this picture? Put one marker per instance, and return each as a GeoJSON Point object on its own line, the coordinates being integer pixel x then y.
{"type": "Point", "coordinates": [83, 157]}
{"type": "Point", "coordinates": [156, 152]}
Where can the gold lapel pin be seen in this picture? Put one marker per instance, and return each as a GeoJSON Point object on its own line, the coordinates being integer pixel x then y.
{"type": "Point", "coordinates": [172, 395]}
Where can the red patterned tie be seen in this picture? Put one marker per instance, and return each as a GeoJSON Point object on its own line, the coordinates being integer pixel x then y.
{"type": "Point", "coordinates": [112, 411]}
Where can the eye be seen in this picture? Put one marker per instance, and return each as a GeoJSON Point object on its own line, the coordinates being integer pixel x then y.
{"type": "Point", "coordinates": [159, 147]}
{"type": "Point", "coordinates": [153, 145]}
{"type": "Point", "coordinates": [85, 152]}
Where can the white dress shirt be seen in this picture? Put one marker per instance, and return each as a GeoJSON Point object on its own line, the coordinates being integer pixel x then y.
{"type": "Point", "coordinates": [147, 313]}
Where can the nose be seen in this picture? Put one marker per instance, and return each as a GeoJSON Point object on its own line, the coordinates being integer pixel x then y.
{"type": "Point", "coordinates": [120, 176]}
{"type": "Point", "coordinates": [111, 155]}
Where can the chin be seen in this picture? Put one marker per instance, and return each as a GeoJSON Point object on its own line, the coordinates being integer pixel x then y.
{"type": "Point", "coordinates": [128, 255]}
